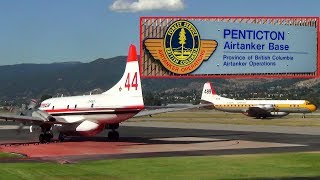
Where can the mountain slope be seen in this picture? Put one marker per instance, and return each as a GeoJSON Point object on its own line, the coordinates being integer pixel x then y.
{"type": "Point", "coordinates": [19, 83]}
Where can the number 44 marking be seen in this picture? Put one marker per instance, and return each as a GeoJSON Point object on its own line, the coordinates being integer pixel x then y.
{"type": "Point", "coordinates": [134, 82]}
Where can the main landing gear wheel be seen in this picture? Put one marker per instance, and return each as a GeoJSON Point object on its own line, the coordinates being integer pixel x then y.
{"type": "Point", "coordinates": [46, 135]}
{"type": "Point", "coordinates": [45, 138]}
{"type": "Point", "coordinates": [113, 135]}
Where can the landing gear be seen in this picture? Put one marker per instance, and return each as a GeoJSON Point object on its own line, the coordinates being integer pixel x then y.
{"type": "Point", "coordinates": [261, 117]}
{"type": "Point", "coordinates": [303, 115]}
{"type": "Point", "coordinates": [46, 135]}
{"type": "Point", "coordinates": [113, 135]}
{"type": "Point", "coordinates": [42, 139]}
{"type": "Point", "coordinates": [45, 138]}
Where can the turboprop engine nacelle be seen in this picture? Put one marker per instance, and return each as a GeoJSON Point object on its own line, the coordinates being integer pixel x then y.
{"type": "Point", "coordinates": [278, 114]}
{"type": "Point", "coordinates": [89, 128]}
{"type": "Point", "coordinates": [43, 115]}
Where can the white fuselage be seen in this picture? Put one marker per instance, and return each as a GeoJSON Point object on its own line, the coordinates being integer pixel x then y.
{"type": "Point", "coordinates": [102, 107]}
{"type": "Point", "coordinates": [255, 108]}
{"type": "Point", "coordinates": [89, 114]}
{"type": "Point", "coordinates": [241, 106]}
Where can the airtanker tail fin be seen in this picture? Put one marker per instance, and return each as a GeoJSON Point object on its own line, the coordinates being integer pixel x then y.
{"type": "Point", "coordinates": [130, 84]}
{"type": "Point", "coordinates": [209, 95]}
{"type": "Point", "coordinates": [207, 92]}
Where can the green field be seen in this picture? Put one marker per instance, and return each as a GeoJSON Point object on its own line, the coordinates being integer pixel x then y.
{"type": "Point", "coordinates": [286, 165]}
{"type": "Point", "coordinates": [212, 116]}
{"type": "Point", "coordinates": [10, 155]}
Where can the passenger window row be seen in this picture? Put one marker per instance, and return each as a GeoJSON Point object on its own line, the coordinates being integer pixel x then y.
{"type": "Point", "coordinates": [75, 106]}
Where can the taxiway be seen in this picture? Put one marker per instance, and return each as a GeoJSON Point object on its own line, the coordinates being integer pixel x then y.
{"type": "Point", "coordinates": [156, 139]}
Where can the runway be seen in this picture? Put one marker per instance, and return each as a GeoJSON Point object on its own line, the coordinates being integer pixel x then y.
{"type": "Point", "coordinates": [152, 139]}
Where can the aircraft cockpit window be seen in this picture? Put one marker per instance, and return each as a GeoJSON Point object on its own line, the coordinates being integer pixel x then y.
{"type": "Point", "coordinates": [308, 103]}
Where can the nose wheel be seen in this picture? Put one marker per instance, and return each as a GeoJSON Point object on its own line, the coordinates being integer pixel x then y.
{"type": "Point", "coordinates": [113, 135]}
{"type": "Point", "coordinates": [45, 138]}
{"type": "Point", "coordinates": [46, 135]}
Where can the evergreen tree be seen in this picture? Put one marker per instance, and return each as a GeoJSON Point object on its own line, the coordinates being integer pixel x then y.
{"type": "Point", "coordinates": [182, 40]}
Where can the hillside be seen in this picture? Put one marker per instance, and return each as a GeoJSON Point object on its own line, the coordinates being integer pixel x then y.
{"type": "Point", "coordinates": [21, 82]}
{"type": "Point", "coordinates": [24, 81]}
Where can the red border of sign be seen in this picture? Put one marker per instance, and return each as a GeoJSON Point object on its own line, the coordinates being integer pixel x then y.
{"type": "Point", "coordinates": [231, 76]}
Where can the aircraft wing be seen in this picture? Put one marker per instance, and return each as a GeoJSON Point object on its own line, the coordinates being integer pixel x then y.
{"type": "Point", "coordinates": [151, 110]}
{"type": "Point", "coordinates": [29, 119]}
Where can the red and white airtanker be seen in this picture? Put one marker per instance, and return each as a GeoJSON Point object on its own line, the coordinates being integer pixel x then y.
{"type": "Point", "coordinates": [90, 114]}
{"type": "Point", "coordinates": [255, 108]}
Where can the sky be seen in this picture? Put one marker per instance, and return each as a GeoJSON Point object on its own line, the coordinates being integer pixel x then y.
{"type": "Point", "coordinates": [46, 31]}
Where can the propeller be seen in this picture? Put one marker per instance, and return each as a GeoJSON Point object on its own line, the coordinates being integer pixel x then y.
{"type": "Point", "coordinates": [26, 111]}
{"type": "Point", "coordinates": [20, 127]}
{"type": "Point", "coordinates": [33, 111]}
{"type": "Point", "coordinates": [33, 103]}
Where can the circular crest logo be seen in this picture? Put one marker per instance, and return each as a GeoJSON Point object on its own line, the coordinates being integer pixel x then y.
{"type": "Point", "coordinates": [182, 44]}
{"type": "Point", "coordinates": [181, 50]}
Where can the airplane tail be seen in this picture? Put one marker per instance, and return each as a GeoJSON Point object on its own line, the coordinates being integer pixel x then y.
{"type": "Point", "coordinates": [129, 86]}
{"type": "Point", "coordinates": [207, 92]}
{"type": "Point", "coordinates": [209, 95]}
